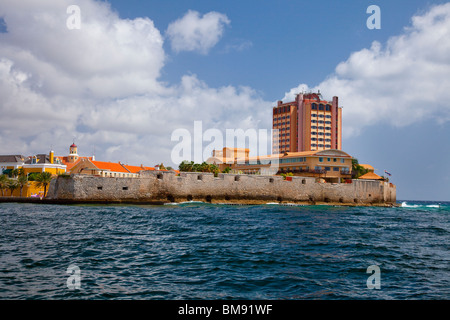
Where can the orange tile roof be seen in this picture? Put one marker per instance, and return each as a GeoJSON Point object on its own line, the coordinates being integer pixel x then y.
{"type": "Point", "coordinates": [133, 169]}
{"type": "Point", "coordinates": [70, 165]}
{"type": "Point", "coordinates": [136, 169]}
{"type": "Point", "coordinates": [112, 166]}
{"type": "Point", "coordinates": [371, 176]}
{"type": "Point", "coordinates": [367, 166]}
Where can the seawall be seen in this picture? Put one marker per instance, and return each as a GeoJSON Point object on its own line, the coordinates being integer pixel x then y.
{"type": "Point", "coordinates": [163, 187]}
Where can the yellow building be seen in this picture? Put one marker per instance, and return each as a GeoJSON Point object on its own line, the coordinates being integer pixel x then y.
{"type": "Point", "coordinates": [228, 156]}
{"type": "Point", "coordinates": [330, 165]}
{"type": "Point", "coordinates": [43, 163]}
{"type": "Point", "coordinates": [33, 164]}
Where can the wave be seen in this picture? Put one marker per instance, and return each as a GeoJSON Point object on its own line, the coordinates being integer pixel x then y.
{"type": "Point", "coordinates": [406, 205]}
{"type": "Point", "coordinates": [180, 203]}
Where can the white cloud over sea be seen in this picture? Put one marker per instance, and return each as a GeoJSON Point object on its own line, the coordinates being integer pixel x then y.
{"type": "Point", "coordinates": [101, 84]}
{"type": "Point", "coordinates": [399, 83]}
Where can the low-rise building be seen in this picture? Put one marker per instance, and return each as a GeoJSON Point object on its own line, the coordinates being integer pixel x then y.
{"type": "Point", "coordinates": [331, 164]}
{"type": "Point", "coordinates": [107, 169]}
{"type": "Point", "coordinates": [11, 162]}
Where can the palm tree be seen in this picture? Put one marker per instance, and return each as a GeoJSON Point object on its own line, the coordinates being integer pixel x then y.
{"type": "Point", "coordinates": [3, 183]}
{"type": "Point", "coordinates": [43, 180]}
{"type": "Point", "coordinates": [12, 185]}
{"type": "Point", "coordinates": [22, 181]}
{"type": "Point", "coordinates": [357, 169]}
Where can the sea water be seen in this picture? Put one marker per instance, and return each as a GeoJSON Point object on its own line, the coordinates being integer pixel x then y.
{"type": "Point", "coordinates": [212, 251]}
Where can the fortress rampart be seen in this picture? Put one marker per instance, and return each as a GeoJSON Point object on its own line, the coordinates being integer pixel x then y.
{"type": "Point", "coordinates": [162, 187]}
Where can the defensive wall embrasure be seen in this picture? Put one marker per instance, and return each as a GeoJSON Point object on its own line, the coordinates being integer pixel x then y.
{"type": "Point", "coordinates": [162, 187]}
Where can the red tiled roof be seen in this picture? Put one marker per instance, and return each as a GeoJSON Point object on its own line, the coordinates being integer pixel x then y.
{"type": "Point", "coordinates": [136, 169]}
{"type": "Point", "coordinates": [371, 176]}
{"type": "Point", "coordinates": [111, 166]}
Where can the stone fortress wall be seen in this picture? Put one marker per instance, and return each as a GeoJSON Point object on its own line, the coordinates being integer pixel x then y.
{"type": "Point", "coordinates": [162, 187]}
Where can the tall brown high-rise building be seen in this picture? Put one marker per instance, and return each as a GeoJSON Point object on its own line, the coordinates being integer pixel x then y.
{"type": "Point", "coordinates": [307, 124]}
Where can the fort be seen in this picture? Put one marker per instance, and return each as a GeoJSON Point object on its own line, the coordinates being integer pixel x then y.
{"type": "Point", "coordinates": [160, 187]}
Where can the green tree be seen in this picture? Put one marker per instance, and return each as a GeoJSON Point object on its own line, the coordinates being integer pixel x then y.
{"type": "Point", "coordinates": [14, 173]}
{"type": "Point", "coordinates": [226, 170]}
{"type": "Point", "coordinates": [22, 182]}
{"type": "Point", "coordinates": [12, 185]}
{"type": "Point", "coordinates": [357, 169]}
{"type": "Point", "coordinates": [33, 176]}
{"type": "Point", "coordinates": [3, 183]}
{"type": "Point", "coordinates": [186, 166]}
{"type": "Point", "coordinates": [43, 180]}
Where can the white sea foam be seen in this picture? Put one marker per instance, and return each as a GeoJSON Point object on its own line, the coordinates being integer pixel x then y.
{"type": "Point", "coordinates": [405, 205]}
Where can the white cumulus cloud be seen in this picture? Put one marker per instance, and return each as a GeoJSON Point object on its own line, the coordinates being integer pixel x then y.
{"type": "Point", "coordinates": [400, 82]}
{"type": "Point", "coordinates": [198, 33]}
{"type": "Point", "coordinates": [100, 84]}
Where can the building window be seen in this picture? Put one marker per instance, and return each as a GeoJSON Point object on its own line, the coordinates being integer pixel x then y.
{"type": "Point", "coordinates": [314, 133]}
{"type": "Point", "coordinates": [327, 168]}
{"type": "Point", "coordinates": [328, 107]}
{"type": "Point", "coordinates": [328, 116]}
{"type": "Point", "coordinates": [314, 115]}
{"type": "Point", "coordinates": [328, 146]}
{"type": "Point", "coordinates": [334, 159]}
{"type": "Point", "coordinates": [320, 159]}
{"type": "Point", "coordinates": [313, 139]}
{"type": "Point", "coordinates": [314, 106]}
{"type": "Point", "coordinates": [320, 145]}
{"type": "Point", "coordinates": [313, 121]}
{"type": "Point", "coordinates": [335, 169]}
{"type": "Point", "coordinates": [327, 128]}
{"type": "Point", "coordinates": [320, 107]}
{"type": "Point", "coordinates": [328, 159]}
{"type": "Point", "coordinates": [314, 127]}
{"type": "Point", "coordinates": [342, 160]}
{"type": "Point", "coordinates": [313, 145]}
{"type": "Point", "coordinates": [320, 121]}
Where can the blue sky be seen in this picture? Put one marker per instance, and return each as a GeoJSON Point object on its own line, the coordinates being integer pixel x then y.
{"type": "Point", "coordinates": [138, 70]}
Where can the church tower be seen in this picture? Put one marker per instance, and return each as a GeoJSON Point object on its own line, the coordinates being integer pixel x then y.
{"type": "Point", "coordinates": [73, 153]}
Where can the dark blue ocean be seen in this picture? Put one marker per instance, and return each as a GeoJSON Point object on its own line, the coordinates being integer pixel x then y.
{"type": "Point", "coordinates": [204, 251]}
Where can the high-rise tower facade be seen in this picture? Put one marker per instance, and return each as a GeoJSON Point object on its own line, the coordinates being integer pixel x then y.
{"type": "Point", "coordinates": [308, 123]}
